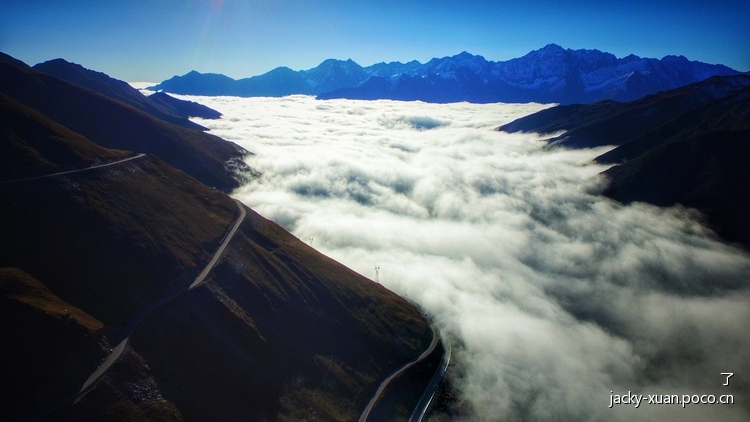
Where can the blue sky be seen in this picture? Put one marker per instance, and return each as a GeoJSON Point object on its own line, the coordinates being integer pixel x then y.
{"type": "Point", "coordinates": [153, 40]}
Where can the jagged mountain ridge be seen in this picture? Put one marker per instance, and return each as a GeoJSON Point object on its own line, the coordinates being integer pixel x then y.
{"type": "Point", "coordinates": [328, 76]}
{"type": "Point", "coordinates": [548, 75]}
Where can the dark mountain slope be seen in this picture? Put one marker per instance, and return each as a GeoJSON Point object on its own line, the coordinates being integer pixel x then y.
{"type": "Point", "coordinates": [708, 172]}
{"type": "Point", "coordinates": [182, 107]}
{"type": "Point", "coordinates": [688, 146]}
{"type": "Point", "coordinates": [115, 89]}
{"type": "Point", "coordinates": [278, 332]}
{"type": "Point", "coordinates": [731, 112]}
{"type": "Point", "coordinates": [316, 338]}
{"type": "Point", "coordinates": [114, 239]}
{"type": "Point", "coordinates": [113, 124]}
{"type": "Point", "coordinates": [10, 59]}
{"type": "Point", "coordinates": [698, 159]}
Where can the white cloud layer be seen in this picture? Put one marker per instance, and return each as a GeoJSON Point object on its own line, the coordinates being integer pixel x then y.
{"type": "Point", "coordinates": [555, 296]}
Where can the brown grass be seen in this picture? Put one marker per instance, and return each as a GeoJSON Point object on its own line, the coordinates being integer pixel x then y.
{"type": "Point", "coordinates": [45, 345]}
{"type": "Point", "coordinates": [16, 285]}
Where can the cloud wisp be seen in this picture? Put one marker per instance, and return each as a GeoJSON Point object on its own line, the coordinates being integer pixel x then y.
{"type": "Point", "coordinates": [556, 297]}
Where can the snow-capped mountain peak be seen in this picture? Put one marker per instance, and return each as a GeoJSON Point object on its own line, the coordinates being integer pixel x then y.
{"type": "Point", "coordinates": [550, 74]}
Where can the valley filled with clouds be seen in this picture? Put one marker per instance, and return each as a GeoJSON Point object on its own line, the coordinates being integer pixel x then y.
{"type": "Point", "coordinates": [553, 295]}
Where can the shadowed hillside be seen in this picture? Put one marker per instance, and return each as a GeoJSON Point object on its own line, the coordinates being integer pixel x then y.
{"type": "Point", "coordinates": [279, 331]}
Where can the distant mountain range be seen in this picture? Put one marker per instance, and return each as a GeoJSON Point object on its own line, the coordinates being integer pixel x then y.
{"type": "Point", "coordinates": [108, 214]}
{"type": "Point", "coordinates": [686, 146]}
{"type": "Point", "coordinates": [548, 75]}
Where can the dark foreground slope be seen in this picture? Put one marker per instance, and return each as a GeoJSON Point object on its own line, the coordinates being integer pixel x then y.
{"type": "Point", "coordinates": [113, 124]}
{"type": "Point", "coordinates": [279, 331]}
{"type": "Point", "coordinates": [688, 146]}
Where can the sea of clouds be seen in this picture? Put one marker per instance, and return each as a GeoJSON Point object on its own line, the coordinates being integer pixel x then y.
{"type": "Point", "coordinates": [554, 296]}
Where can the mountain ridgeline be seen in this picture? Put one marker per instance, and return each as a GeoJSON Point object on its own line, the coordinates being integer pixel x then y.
{"type": "Point", "coordinates": [108, 221]}
{"type": "Point", "coordinates": [173, 111]}
{"type": "Point", "coordinates": [549, 75]}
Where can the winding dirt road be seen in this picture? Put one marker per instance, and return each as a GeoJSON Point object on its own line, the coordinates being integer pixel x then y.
{"type": "Point", "coordinates": [384, 384]}
{"type": "Point", "coordinates": [117, 352]}
{"type": "Point", "coordinates": [73, 171]}
{"type": "Point", "coordinates": [429, 392]}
